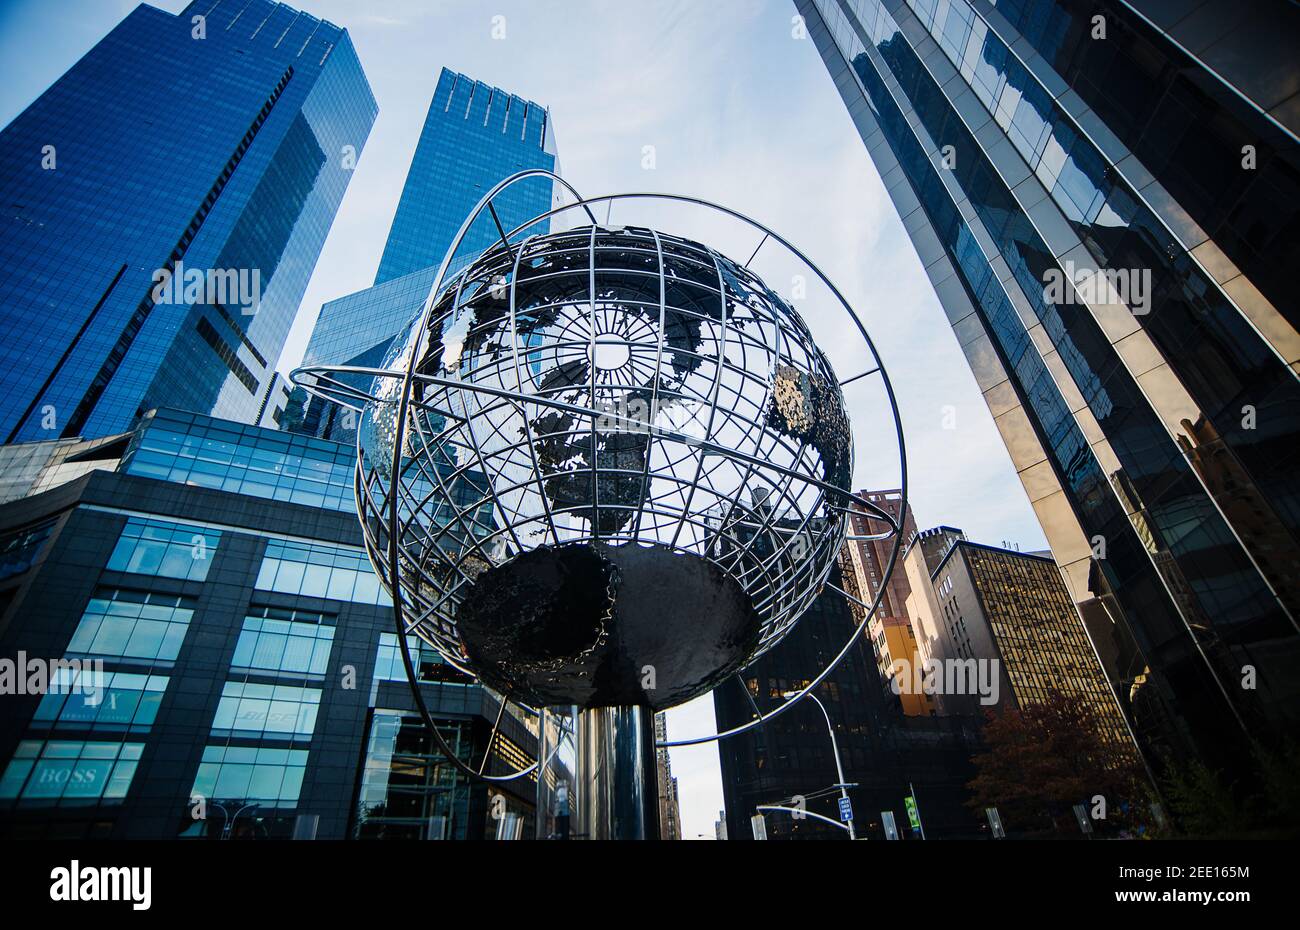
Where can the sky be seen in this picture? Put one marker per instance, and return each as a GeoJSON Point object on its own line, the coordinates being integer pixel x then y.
{"type": "Point", "coordinates": [738, 110]}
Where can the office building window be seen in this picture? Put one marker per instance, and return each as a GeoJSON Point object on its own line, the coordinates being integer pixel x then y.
{"type": "Point", "coordinates": [243, 460]}
{"type": "Point", "coordinates": [128, 624]}
{"type": "Point", "coordinates": [319, 570]}
{"type": "Point", "coordinates": [254, 711]}
{"type": "Point", "coordinates": [64, 772]}
{"type": "Point", "coordinates": [429, 664]}
{"type": "Point", "coordinates": [294, 641]}
{"type": "Point", "coordinates": [251, 775]}
{"type": "Point", "coordinates": [172, 550]}
{"type": "Point", "coordinates": [81, 699]}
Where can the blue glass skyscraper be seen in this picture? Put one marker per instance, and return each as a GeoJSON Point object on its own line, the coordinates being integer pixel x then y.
{"type": "Point", "coordinates": [1103, 195]}
{"type": "Point", "coordinates": [474, 136]}
{"type": "Point", "coordinates": [165, 204]}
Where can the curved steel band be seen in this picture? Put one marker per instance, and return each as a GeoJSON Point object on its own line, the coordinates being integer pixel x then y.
{"type": "Point", "coordinates": [300, 377]}
{"type": "Point", "coordinates": [653, 430]}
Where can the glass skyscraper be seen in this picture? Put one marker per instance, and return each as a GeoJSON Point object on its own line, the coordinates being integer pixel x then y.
{"type": "Point", "coordinates": [474, 136]}
{"type": "Point", "coordinates": [251, 683]}
{"type": "Point", "coordinates": [886, 755]}
{"type": "Point", "coordinates": [165, 202]}
{"type": "Point", "coordinates": [1103, 196]}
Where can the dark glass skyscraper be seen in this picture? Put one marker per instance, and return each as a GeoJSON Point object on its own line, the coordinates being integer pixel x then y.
{"type": "Point", "coordinates": [212, 147]}
{"type": "Point", "coordinates": [474, 136]}
{"type": "Point", "coordinates": [224, 654]}
{"type": "Point", "coordinates": [1103, 196]}
{"type": "Point", "coordinates": [885, 753]}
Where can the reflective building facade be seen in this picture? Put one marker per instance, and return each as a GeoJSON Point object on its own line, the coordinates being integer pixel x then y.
{"type": "Point", "coordinates": [1034, 149]}
{"type": "Point", "coordinates": [474, 136]}
{"type": "Point", "coordinates": [864, 564]}
{"type": "Point", "coordinates": [214, 146]}
{"type": "Point", "coordinates": [252, 685]}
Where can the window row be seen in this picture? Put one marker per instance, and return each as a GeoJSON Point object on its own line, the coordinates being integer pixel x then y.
{"type": "Point", "coordinates": [64, 772]}
{"type": "Point", "coordinates": [171, 550]}
{"type": "Point", "coordinates": [84, 699]}
{"type": "Point", "coordinates": [319, 570]}
{"type": "Point", "coordinates": [256, 711]}
{"type": "Point", "coordinates": [125, 624]}
{"type": "Point", "coordinates": [250, 775]}
{"type": "Point", "coordinates": [279, 640]}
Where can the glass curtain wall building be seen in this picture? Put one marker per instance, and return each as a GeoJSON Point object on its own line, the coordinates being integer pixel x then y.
{"type": "Point", "coordinates": [251, 684]}
{"type": "Point", "coordinates": [1105, 209]}
{"type": "Point", "coordinates": [165, 202]}
{"type": "Point", "coordinates": [474, 136]}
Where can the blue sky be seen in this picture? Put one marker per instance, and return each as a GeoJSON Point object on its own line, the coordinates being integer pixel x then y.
{"type": "Point", "coordinates": [738, 111]}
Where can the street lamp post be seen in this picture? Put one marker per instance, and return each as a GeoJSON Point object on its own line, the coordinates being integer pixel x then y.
{"type": "Point", "coordinates": [835, 749]}
{"type": "Point", "coordinates": [229, 824]}
{"type": "Point", "coordinates": [800, 812]}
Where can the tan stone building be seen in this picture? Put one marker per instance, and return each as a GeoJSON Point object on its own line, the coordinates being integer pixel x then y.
{"type": "Point", "coordinates": [996, 628]}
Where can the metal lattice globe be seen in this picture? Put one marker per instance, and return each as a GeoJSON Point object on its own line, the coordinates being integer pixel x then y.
{"type": "Point", "coordinates": [622, 458]}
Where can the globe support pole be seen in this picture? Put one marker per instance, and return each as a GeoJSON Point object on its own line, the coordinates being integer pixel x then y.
{"type": "Point", "coordinates": [616, 778]}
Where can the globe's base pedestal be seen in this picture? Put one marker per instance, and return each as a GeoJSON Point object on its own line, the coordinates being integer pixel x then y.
{"type": "Point", "coordinates": [612, 790]}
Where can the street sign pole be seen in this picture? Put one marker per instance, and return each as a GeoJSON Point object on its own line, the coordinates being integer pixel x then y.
{"type": "Point", "coordinates": [914, 811]}
{"type": "Point", "coordinates": [891, 828]}
{"type": "Point", "coordinates": [839, 768]}
{"type": "Point", "coordinates": [995, 822]}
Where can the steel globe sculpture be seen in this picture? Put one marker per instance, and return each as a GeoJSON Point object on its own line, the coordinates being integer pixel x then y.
{"type": "Point", "coordinates": [620, 464]}
{"type": "Point", "coordinates": [604, 469]}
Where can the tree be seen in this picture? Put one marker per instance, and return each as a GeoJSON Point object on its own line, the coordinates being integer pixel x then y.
{"type": "Point", "coordinates": [1266, 802]}
{"type": "Point", "coordinates": [1043, 759]}
{"type": "Point", "coordinates": [1201, 802]}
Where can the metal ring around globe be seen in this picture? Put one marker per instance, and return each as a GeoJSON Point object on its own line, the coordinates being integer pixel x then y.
{"type": "Point", "coordinates": [843, 303]}
{"type": "Point", "coordinates": [394, 560]}
{"type": "Point", "coordinates": [346, 395]}
{"type": "Point", "coordinates": [402, 632]}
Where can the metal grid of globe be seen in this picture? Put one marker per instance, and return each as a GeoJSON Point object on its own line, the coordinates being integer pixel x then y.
{"type": "Point", "coordinates": [602, 470]}
{"type": "Point", "coordinates": [683, 411]}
